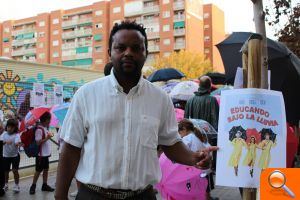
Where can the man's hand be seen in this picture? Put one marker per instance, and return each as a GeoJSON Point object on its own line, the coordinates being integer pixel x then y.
{"type": "Point", "coordinates": [203, 157]}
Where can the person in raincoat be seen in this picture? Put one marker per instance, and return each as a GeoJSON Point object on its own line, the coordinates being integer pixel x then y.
{"type": "Point", "coordinates": [251, 155]}
{"type": "Point", "coordinates": [265, 156]}
{"type": "Point", "coordinates": [235, 157]}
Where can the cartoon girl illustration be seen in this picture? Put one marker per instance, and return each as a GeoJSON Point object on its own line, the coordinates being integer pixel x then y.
{"type": "Point", "coordinates": [235, 157]}
{"type": "Point", "coordinates": [266, 146]}
{"type": "Point", "coordinates": [251, 154]}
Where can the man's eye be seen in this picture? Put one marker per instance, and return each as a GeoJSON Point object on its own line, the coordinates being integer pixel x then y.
{"type": "Point", "coordinates": [121, 48]}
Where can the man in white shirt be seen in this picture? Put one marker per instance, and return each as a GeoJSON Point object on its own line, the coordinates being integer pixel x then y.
{"type": "Point", "coordinates": [114, 125]}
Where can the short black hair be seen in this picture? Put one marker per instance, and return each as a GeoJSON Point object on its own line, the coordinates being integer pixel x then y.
{"type": "Point", "coordinates": [128, 25]}
{"type": "Point", "coordinates": [108, 68]}
{"type": "Point", "coordinates": [46, 116]}
{"type": "Point", "coordinates": [12, 123]}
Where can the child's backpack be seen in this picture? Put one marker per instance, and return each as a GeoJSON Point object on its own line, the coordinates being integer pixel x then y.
{"type": "Point", "coordinates": [31, 148]}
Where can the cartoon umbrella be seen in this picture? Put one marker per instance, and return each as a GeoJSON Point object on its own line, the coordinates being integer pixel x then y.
{"type": "Point", "coordinates": [268, 131]}
{"type": "Point", "coordinates": [253, 133]}
{"type": "Point", "coordinates": [234, 130]}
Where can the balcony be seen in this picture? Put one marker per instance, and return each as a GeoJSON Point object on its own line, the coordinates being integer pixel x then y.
{"type": "Point", "coordinates": [22, 31]}
{"type": "Point", "coordinates": [179, 5]}
{"type": "Point", "coordinates": [179, 45]}
{"type": "Point", "coordinates": [153, 48]}
{"type": "Point", "coordinates": [151, 9]}
{"type": "Point", "coordinates": [179, 32]}
{"type": "Point", "coordinates": [150, 22]}
{"type": "Point", "coordinates": [78, 56]}
{"type": "Point", "coordinates": [77, 33]}
{"type": "Point", "coordinates": [179, 18]}
{"type": "Point", "coordinates": [23, 42]}
{"type": "Point", "coordinates": [72, 45]}
{"type": "Point", "coordinates": [152, 35]}
{"type": "Point", "coordinates": [75, 22]}
{"type": "Point", "coordinates": [23, 51]}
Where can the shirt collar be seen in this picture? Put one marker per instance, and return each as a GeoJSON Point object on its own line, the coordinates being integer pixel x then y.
{"type": "Point", "coordinates": [118, 88]}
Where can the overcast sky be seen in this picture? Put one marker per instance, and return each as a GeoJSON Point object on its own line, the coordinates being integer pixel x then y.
{"type": "Point", "coordinates": [238, 13]}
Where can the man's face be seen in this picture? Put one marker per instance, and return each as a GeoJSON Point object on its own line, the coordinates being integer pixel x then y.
{"type": "Point", "coordinates": [128, 52]}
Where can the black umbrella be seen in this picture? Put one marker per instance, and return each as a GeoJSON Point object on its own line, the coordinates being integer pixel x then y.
{"type": "Point", "coordinates": [284, 66]}
{"type": "Point", "coordinates": [165, 75]}
{"type": "Point", "coordinates": [217, 78]}
{"type": "Point", "coordinates": [234, 130]}
{"type": "Point", "coordinates": [268, 131]}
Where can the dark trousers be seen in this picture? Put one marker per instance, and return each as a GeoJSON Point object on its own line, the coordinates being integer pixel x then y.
{"type": "Point", "coordinates": [2, 179]}
{"type": "Point", "coordinates": [85, 193]}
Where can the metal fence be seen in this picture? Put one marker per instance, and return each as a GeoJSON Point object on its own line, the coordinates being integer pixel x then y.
{"type": "Point", "coordinates": [12, 95]}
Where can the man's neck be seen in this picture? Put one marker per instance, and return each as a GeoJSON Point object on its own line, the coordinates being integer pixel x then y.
{"type": "Point", "coordinates": [127, 82]}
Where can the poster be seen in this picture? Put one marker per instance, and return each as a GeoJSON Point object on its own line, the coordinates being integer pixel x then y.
{"type": "Point", "coordinates": [251, 136]}
{"type": "Point", "coordinates": [58, 94]}
{"type": "Point", "coordinates": [38, 95]}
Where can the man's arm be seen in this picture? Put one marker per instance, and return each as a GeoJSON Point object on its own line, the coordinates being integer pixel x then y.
{"type": "Point", "coordinates": [67, 166]}
{"type": "Point", "coordinates": [181, 154]}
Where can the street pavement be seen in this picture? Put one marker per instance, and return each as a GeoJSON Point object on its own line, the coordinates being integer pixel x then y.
{"type": "Point", "coordinates": [223, 193]}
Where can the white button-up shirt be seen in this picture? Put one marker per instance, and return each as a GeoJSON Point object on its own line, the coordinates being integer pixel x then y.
{"type": "Point", "coordinates": [119, 132]}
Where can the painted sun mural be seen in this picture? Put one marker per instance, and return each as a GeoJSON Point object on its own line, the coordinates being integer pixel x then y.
{"type": "Point", "coordinates": [9, 90]}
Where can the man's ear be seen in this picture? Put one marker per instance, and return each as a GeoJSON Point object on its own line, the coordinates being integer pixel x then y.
{"type": "Point", "coordinates": [109, 52]}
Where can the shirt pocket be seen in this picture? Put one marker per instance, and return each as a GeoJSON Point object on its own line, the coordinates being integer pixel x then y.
{"type": "Point", "coordinates": [149, 131]}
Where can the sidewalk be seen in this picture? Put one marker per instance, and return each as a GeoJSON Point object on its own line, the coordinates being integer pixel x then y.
{"type": "Point", "coordinates": [224, 193]}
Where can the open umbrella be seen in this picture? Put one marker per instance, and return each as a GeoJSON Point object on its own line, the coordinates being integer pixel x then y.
{"type": "Point", "coordinates": [283, 64]}
{"type": "Point", "coordinates": [234, 130]}
{"type": "Point", "coordinates": [268, 131]}
{"type": "Point", "coordinates": [165, 75]}
{"type": "Point", "coordinates": [180, 182]}
{"type": "Point", "coordinates": [253, 133]}
{"type": "Point", "coordinates": [169, 87]}
{"type": "Point", "coordinates": [60, 112]}
{"type": "Point", "coordinates": [204, 125]}
{"type": "Point", "coordinates": [217, 78]}
{"type": "Point", "coordinates": [184, 90]}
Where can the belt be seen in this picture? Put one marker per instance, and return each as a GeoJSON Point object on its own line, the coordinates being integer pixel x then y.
{"type": "Point", "coordinates": [117, 194]}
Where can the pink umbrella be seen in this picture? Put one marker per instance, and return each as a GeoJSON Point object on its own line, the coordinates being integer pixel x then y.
{"type": "Point", "coordinates": [179, 114]}
{"type": "Point", "coordinates": [180, 182]}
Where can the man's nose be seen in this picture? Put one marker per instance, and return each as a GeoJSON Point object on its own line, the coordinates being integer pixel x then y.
{"type": "Point", "coordinates": [128, 51]}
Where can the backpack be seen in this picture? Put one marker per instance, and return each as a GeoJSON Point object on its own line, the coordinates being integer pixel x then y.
{"type": "Point", "coordinates": [31, 148]}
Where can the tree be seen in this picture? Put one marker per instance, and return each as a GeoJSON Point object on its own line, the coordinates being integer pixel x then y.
{"type": "Point", "coordinates": [284, 17]}
{"type": "Point", "coordinates": [191, 64]}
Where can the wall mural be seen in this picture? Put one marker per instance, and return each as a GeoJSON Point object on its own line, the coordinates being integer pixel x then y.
{"type": "Point", "coordinates": [13, 89]}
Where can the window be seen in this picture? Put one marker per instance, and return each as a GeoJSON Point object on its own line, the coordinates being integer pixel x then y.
{"type": "Point", "coordinates": [41, 34]}
{"type": "Point", "coordinates": [55, 54]}
{"type": "Point", "coordinates": [166, 14]}
{"type": "Point", "coordinates": [98, 49]}
{"type": "Point", "coordinates": [116, 9]}
{"type": "Point", "coordinates": [206, 26]}
{"type": "Point", "coordinates": [41, 55]}
{"type": "Point", "coordinates": [206, 15]}
{"type": "Point", "coordinates": [98, 26]}
{"type": "Point", "coordinates": [55, 21]}
{"type": "Point", "coordinates": [206, 50]}
{"type": "Point", "coordinates": [55, 43]}
{"type": "Point", "coordinates": [167, 41]}
{"type": "Point", "coordinates": [166, 54]}
{"type": "Point", "coordinates": [99, 61]}
{"type": "Point", "coordinates": [41, 45]}
{"type": "Point", "coordinates": [42, 23]}
{"type": "Point", "coordinates": [6, 50]}
{"type": "Point", "coordinates": [98, 12]}
{"type": "Point", "coordinates": [6, 30]}
{"type": "Point", "coordinates": [5, 40]}
{"type": "Point", "coordinates": [166, 1]}
{"type": "Point", "coordinates": [55, 32]}
{"type": "Point", "coordinates": [166, 28]}
{"type": "Point", "coordinates": [97, 37]}
{"type": "Point", "coordinates": [206, 38]}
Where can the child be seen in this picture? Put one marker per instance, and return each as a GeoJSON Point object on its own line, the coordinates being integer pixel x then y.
{"type": "Point", "coordinates": [251, 155]}
{"type": "Point", "coordinates": [42, 136]}
{"type": "Point", "coordinates": [2, 176]}
{"type": "Point", "coordinates": [196, 141]}
{"type": "Point", "coordinates": [11, 156]}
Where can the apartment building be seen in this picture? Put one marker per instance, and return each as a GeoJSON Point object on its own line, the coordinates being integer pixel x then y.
{"type": "Point", "coordinates": [214, 32]}
{"type": "Point", "coordinates": [79, 37]}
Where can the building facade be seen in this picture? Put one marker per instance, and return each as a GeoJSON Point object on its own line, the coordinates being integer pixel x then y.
{"type": "Point", "coordinates": [214, 32]}
{"type": "Point", "coordinates": [79, 37]}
